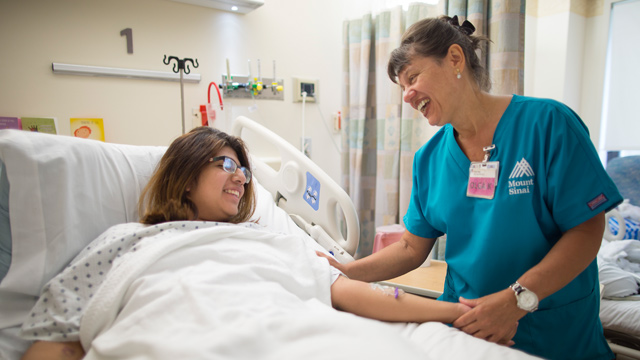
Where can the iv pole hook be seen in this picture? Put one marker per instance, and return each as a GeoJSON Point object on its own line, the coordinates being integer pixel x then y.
{"type": "Point", "coordinates": [181, 66]}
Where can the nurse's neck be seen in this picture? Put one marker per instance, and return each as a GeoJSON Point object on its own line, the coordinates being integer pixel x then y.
{"type": "Point", "coordinates": [479, 117]}
{"type": "Point", "coordinates": [477, 123]}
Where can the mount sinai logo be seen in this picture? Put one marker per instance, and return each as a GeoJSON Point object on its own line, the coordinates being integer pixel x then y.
{"type": "Point", "coordinates": [517, 182]}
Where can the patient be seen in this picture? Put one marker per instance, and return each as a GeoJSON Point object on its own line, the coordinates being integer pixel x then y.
{"type": "Point", "coordinates": [204, 176]}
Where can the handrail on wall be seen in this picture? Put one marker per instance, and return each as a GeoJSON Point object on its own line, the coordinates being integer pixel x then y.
{"type": "Point", "coordinates": [72, 69]}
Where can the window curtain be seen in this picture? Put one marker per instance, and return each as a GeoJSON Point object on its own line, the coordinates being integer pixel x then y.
{"type": "Point", "coordinates": [381, 133]}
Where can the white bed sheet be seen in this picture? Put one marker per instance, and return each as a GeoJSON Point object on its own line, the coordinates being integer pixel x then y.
{"type": "Point", "coordinates": [237, 293]}
{"type": "Point", "coordinates": [12, 346]}
{"type": "Point", "coordinates": [618, 262]}
{"type": "Point", "coordinates": [622, 316]}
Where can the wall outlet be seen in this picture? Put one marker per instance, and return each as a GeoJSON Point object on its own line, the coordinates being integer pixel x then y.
{"type": "Point", "coordinates": [306, 146]}
{"type": "Point", "coordinates": [306, 85]}
{"type": "Point", "coordinates": [196, 117]}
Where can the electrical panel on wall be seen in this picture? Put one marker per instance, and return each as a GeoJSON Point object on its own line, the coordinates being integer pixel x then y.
{"type": "Point", "coordinates": [304, 85]}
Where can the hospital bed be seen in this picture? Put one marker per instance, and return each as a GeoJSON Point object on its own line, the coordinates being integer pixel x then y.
{"type": "Point", "coordinates": [619, 308]}
{"type": "Point", "coordinates": [58, 193]}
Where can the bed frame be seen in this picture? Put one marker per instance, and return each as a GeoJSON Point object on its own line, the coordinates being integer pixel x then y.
{"type": "Point", "coordinates": [622, 350]}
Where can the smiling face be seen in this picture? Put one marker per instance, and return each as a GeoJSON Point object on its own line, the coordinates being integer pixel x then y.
{"type": "Point", "coordinates": [429, 87]}
{"type": "Point", "coordinates": [217, 193]}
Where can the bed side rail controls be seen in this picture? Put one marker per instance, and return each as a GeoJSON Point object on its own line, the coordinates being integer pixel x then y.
{"type": "Point", "coordinates": [319, 235]}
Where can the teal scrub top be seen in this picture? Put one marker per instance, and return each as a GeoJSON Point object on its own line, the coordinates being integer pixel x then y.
{"type": "Point", "coordinates": [550, 180]}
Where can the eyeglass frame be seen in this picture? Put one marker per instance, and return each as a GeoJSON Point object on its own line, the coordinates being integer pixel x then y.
{"type": "Point", "coordinates": [245, 171]}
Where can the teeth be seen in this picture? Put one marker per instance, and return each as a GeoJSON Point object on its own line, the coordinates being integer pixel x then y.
{"type": "Point", "coordinates": [423, 104]}
{"type": "Point", "coordinates": [233, 192]}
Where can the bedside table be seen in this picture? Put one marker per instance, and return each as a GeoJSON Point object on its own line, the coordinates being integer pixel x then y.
{"type": "Point", "coordinates": [424, 281]}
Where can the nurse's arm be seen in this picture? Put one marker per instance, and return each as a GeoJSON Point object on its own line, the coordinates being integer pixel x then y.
{"type": "Point", "coordinates": [575, 250]}
{"type": "Point", "coordinates": [394, 260]}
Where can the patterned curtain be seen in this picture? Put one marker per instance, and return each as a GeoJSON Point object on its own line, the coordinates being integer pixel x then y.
{"type": "Point", "coordinates": [381, 133]}
{"type": "Point", "coordinates": [503, 22]}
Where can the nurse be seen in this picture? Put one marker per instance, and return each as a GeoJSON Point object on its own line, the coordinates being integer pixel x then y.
{"type": "Point", "coordinates": [518, 188]}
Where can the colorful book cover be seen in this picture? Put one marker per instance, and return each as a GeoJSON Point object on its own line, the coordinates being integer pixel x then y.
{"type": "Point", "coordinates": [10, 123]}
{"type": "Point", "coordinates": [43, 125]}
{"type": "Point", "coordinates": [88, 128]}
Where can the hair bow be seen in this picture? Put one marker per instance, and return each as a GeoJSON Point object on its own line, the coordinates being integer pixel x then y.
{"type": "Point", "coordinates": [466, 28]}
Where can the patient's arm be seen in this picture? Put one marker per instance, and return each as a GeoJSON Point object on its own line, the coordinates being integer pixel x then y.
{"type": "Point", "coordinates": [362, 299]}
{"type": "Point", "coordinates": [48, 350]}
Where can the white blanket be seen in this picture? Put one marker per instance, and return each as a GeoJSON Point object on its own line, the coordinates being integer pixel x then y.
{"type": "Point", "coordinates": [238, 293]}
{"type": "Point", "coordinates": [619, 268]}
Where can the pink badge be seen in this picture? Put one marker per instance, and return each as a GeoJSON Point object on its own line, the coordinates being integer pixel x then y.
{"type": "Point", "coordinates": [482, 179]}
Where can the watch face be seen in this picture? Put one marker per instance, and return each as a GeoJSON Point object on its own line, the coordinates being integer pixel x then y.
{"type": "Point", "coordinates": [527, 300]}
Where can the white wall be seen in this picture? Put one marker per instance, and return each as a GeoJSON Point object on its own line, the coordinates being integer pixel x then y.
{"type": "Point", "coordinates": [304, 37]}
{"type": "Point", "coordinates": [565, 49]}
{"type": "Point", "coordinates": [545, 56]}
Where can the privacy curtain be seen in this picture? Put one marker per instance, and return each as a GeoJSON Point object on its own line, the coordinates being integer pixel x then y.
{"type": "Point", "coordinates": [381, 133]}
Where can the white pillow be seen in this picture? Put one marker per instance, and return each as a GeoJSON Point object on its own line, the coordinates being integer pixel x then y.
{"type": "Point", "coordinates": [63, 193]}
{"type": "Point", "coordinates": [5, 229]}
{"type": "Point", "coordinates": [269, 214]}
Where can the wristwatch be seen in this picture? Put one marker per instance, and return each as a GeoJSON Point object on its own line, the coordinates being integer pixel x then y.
{"type": "Point", "coordinates": [527, 299]}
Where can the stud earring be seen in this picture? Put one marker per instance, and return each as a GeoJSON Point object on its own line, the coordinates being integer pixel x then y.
{"type": "Point", "coordinates": [459, 75]}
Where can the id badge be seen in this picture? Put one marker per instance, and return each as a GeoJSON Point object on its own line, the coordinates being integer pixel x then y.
{"type": "Point", "coordinates": [483, 178]}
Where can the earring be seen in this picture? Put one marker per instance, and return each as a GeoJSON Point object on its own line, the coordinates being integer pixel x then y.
{"type": "Point", "coordinates": [459, 75]}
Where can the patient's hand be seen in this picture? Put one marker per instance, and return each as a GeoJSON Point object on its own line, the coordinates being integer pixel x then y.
{"type": "Point", "coordinates": [49, 350]}
{"type": "Point", "coordinates": [332, 261]}
{"type": "Point", "coordinates": [463, 309]}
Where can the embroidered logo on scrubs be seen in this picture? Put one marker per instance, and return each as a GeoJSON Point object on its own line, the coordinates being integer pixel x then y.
{"type": "Point", "coordinates": [521, 178]}
{"type": "Point", "coordinates": [597, 201]}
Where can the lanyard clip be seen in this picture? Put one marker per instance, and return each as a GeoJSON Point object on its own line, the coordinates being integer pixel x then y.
{"type": "Point", "coordinates": [487, 152]}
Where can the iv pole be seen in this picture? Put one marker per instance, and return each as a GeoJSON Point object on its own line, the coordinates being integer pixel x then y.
{"type": "Point", "coordinates": [181, 66]}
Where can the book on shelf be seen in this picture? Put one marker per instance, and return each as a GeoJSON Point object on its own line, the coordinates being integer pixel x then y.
{"type": "Point", "coordinates": [88, 128]}
{"type": "Point", "coordinates": [43, 125]}
{"type": "Point", "coordinates": [7, 122]}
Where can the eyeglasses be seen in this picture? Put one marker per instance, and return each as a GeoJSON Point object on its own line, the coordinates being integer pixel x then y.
{"type": "Point", "coordinates": [229, 165]}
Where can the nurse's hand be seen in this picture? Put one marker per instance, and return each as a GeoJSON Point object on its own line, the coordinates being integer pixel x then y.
{"type": "Point", "coordinates": [493, 317]}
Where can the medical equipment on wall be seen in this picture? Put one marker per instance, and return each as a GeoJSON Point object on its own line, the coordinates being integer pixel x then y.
{"type": "Point", "coordinates": [248, 87]}
{"type": "Point", "coordinates": [305, 143]}
{"type": "Point", "coordinates": [181, 66]}
{"type": "Point", "coordinates": [208, 111]}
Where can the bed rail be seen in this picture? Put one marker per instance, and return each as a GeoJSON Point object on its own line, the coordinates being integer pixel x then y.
{"type": "Point", "coordinates": [311, 197]}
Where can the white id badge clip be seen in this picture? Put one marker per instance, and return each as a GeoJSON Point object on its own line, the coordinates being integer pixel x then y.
{"type": "Point", "coordinates": [483, 177]}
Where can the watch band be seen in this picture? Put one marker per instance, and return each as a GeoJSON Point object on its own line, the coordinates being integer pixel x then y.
{"type": "Point", "coordinates": [517, 288]}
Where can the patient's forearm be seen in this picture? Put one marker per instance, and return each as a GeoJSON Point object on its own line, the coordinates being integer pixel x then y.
{"type": "Point", "coordinates": [362, 299]}
{"type": "Point", "coordinates": [48, 350]}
